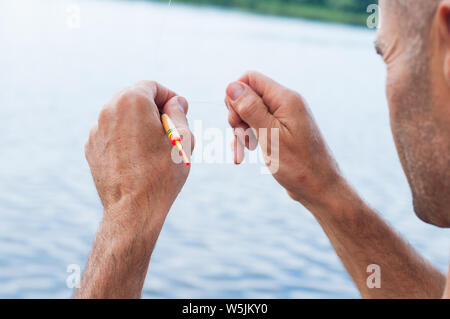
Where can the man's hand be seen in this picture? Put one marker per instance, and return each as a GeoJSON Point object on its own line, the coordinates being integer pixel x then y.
{"type": "Point", "coordinates": [306, 168]}
{"type": "Point", "coordinates": [131, 162]}
{"type": "Point", "coordinates": [130, 154]}
{"type": "Point", "coordinates": [309, 173]}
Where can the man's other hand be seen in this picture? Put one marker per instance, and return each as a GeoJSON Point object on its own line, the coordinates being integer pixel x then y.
{"type": "Point", "coordinates": [305, 166]}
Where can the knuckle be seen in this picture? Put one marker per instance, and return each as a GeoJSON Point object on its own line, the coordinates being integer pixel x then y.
{"type": "Point", "coordinates": [293, 95]}
{"type": "Point", "coordinates": [104, 116]}
{"type": "Point", "coordinates": [294, 98]}
{"type": "Point", "coordinates": [252, 74]}
{"type": "Point", "coordinates": [130, 99]}
{"type": "Point", "coordinates": [288, 94]}
{"type": "Point", "coordinates": [92, 133]}
{"type": "Point", "coordinates": [146, 83]}
{"type": "Point", "coordinates": [126, 98]}
{"type": "Point", "coordinates": [253, 77]}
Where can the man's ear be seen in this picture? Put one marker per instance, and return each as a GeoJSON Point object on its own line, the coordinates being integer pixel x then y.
{"type": "Point", "coordinates": [443, 19]}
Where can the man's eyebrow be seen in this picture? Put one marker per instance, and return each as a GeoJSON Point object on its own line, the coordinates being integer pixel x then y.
{"type": "Point", "coordinates": [378, 48]}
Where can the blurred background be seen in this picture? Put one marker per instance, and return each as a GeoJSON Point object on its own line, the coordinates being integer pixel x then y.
{"type": "Point", "coordinates": [233, 232]}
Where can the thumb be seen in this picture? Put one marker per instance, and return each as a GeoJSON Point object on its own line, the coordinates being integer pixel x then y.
{"type": "Point", "coordinates": [176, 108]}
{"type": "Point", "coordinates": [249, 106]}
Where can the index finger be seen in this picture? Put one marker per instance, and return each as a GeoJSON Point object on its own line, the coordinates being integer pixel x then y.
{"type": "Point", "coordinates": [241, 129]}
{"type": "Point", "coordinates": [269, 90]}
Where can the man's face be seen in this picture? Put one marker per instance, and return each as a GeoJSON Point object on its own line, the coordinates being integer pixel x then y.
{"type": "Point", "coordinates": [418, 98]}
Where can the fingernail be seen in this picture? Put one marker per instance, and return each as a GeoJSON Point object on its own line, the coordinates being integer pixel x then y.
{"type": "Point", "coordinates": [182, 103]}
{"type": "Point", "coordinates": [235, 90]}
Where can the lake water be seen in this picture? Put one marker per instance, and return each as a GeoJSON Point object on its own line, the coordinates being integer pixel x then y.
{"type": "Point", "coordinates": [233, 232]}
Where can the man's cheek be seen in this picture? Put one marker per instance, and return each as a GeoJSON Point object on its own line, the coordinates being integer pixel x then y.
{"type": "Point", "coordinates": [397, 96]}
{"type": "Point", "coordinates": [391, 96]}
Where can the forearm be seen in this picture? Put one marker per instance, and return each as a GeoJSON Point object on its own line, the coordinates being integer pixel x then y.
{"type": "Point", "coordinates": [361, 238]}
{"type": "Point", "coordinates": [119, 260]}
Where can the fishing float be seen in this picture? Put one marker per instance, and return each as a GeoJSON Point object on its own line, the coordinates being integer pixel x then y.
{"type": "Point", "coordinates": [174, 137]}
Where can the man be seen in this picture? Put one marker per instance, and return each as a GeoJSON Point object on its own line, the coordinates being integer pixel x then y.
{"type": "Point", "coordinates": [137, 182]}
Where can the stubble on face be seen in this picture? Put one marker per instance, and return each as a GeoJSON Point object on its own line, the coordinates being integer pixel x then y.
{"type": "Point", "coordinates": [423, 147]}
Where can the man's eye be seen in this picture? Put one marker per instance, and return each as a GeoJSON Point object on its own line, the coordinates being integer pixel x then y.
{"type": "Point", "coordinates": [378, 50]}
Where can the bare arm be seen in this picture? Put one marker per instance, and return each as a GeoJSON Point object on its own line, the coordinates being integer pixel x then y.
{"type": "Point", "coordinates": [119, 259]}
{"type": "Point", "coordinates": [361, 238]}
{"type": "Point", "coordinates": [305, 167]}
{"type": "Point", "coordinates": [137, 181]}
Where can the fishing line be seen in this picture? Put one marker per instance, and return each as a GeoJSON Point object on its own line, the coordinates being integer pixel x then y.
{"type": "Point", "coordinates": [222, 103]}
{"type": "Point", "coordinates": [157, 56]}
